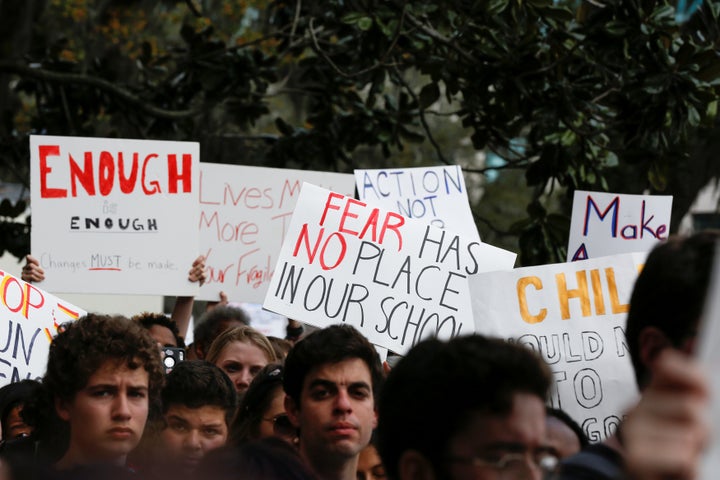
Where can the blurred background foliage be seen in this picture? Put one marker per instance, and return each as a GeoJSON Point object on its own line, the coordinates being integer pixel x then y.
{"type": "Point", "coordinates": [533, 98]}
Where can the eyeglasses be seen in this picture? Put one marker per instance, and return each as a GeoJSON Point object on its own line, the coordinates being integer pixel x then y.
{"type": "Point", "coordinates": [282, 426]}
{"type": "Point", "coordinates": [515, 466]}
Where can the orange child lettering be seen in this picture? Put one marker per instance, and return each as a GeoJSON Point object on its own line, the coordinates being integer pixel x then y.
{"type": "Point", "coordinates": [521, 287]}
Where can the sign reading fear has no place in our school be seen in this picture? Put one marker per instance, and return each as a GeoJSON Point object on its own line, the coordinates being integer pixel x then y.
{"type": "Point", "coordinates": [244, 215]}
{"type": "Point", "coordinates": [29, 319]}
{"type": "Point", "coordinates": [395, 279]}
{"type": "Point", "coordinates": [610, 223]}
{"type": "Point", "coordinates": [435, 195]}
{"type": "Point", "coordinates": [573, 314]}
{"type": "Point", "coordinates": [114, 215]}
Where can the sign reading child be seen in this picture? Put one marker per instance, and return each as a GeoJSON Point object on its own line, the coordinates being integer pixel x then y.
{"type": "Point", "coordinates": [573, 314]}
{"type": "Point", "coordinates": [395, 279]}
{"type": "Point", "coordinates": [244, 214]}
{"type": "Point", "coordinates": [113, 215]}
{"type": "Point", "coordinates": [435, 195]}
{"type": "Point", "coordinates": [29, 319]}
{"type": "Point", "coordinates": [609, 223]}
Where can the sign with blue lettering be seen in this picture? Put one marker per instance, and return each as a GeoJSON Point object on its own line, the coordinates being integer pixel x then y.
{"type": "Point", "coordinates": [610, 223]}
{"type": "Point", "coordinates": [434, 195]}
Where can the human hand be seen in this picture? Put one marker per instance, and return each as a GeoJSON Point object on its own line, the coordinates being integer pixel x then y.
{"type": "Point", "coordinates": [32, 272]}
{"type": "Point", "coordinates": [197, 271]}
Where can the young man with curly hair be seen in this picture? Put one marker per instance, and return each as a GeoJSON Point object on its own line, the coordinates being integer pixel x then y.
{"type": "Point", "coordinates": [104, 378]}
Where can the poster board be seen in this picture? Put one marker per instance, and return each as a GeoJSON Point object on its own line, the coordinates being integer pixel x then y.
{"type": "Point", "coordinates": [395, 279]}
{"type": "Point", "coordinates": [244, 214]}
{"type": "Point", "coordinates": [113, 215]}
{"type": "Point", "coordinates": [29, 318]}
{"type": "Point", "coordinates": [611, 223]}
{"type": "Point", "coordinates": [574, 315]}
{"type": "Point", "coordinates": [435, 195]}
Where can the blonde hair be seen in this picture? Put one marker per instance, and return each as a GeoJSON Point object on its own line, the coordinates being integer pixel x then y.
{"type": "Point", "coordinates": [243, 334]}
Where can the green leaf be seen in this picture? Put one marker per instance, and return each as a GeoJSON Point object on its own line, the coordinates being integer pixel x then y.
{"type": "Point", "coordinates": [365, 23]}
{"type": "Point", "coordinates": [429, 95]}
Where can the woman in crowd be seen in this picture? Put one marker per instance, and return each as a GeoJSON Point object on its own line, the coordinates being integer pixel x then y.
{"type": "Point", "coordinates": [241, 353]}
{"type": "Point", "coordinates": [262, 411]}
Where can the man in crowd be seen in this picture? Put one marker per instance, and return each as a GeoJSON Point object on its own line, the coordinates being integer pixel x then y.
{"type": "Point", "coordinates": [331, 380]}
{"type": "Point", "coordinates": [199, 402]}
{"type": "Point", "coordinates": [472, 407]}
{"type": "Point", "coordinates": [104, 377]}
{"type": "Point", "coordinates": [211, 325]}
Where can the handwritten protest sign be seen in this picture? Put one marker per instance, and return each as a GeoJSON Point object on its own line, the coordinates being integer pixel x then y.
{"type": "Point", "coordinates": [113, 215]}
{"type": "Point", "coordinates": [397, 280]}
{"type": "Point", "coordinates": [709, 353]}
{"type": "Point", "coordinates": [244, 214]}
{"type": "Point", "coordinates": [435, 195]}
{"type": "Point", "coordinates": [28, 322]}
{"type": "Point", "coordinates": [609, 223]}
{"type": "Point", "coordinates": [574, 315]}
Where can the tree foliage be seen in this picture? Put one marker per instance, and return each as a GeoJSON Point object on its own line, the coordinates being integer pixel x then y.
{"type": "Point", "coordinates": [602, 95]}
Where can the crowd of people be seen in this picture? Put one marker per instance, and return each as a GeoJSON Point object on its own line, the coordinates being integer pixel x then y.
{"type": "Point", "coordinates": [321, 405]}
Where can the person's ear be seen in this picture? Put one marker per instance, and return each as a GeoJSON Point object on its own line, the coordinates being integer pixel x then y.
{"type": "Point", "coordinates": [62, 410]}
{"type": "Point", "coordinates": [292, 410]}
{"type": "Point", "coordinates": [651, 342]}
{"type": "Point", "coordinates": [414, 466]}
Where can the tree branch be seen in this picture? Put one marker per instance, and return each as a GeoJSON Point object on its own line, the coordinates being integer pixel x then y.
{"type": "Point", "coordinates": [95, 82]}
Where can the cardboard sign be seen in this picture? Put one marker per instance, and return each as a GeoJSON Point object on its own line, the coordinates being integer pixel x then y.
{"type": "Point", "coordinates": [114, 216]}
{"type": "Point", "coordinates": [244, 215]}
{"type": "Point", "coordinates": [29, 319]}
{"type": "Point", "coordinates": [435, 195]}
{"type": "Point", "coordinates": [609, 223]}
{"type": "Point", "coordinates": [395, 279]}
{"type": "Point", "coordinates": [574, 315]}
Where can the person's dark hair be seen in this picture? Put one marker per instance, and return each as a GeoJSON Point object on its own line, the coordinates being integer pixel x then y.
{"type": "Point", "coordinates": [332, 344]}
{"type": "Point", "coordinates": [432, 392]}
{"type": "Point", "coordinates": [669, 293]}
{"type": "Point", "coordinates": [571, 423]}
{"type": "Point", "coordinates": [13, 395]}
{"type": "Point", "coordinates": [148, 319]}
{"type": "Point", "coordinates": [269, 458]}
{"type": "Point", "coordinates": [197, 383]}
{"type": "Point", "coordinates": [255, 403]}
{"type": "Point", "coordinates": [210, 325]}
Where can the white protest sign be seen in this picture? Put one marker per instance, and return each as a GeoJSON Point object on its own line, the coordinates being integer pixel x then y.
{"type": "Point", "coordinates": [244, 214]}
{"type": "Point", "coordinates": [397, 280]}
{"type": "Point", "coordinates": [114, 215]}
{"type": "Point", "coordinates": [574, 315]}
{"type": "Point", "coordinates": [29, 321]}
{"type": "Point", "coordinates": [610, 223]}
{"type": "Point", "coordinates": [435, 195]}
{"type": "Point", "coordinates": [708, 342]}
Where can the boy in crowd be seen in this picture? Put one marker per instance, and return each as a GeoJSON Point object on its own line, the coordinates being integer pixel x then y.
{"type": "Point", "coordinates": [472, 407]}
{"type": "Point", "coordinates": [199, 402]}
{"type": "Point", "coordinates": [104, 378]}
{"type": "Point", "coordinates": [331, 380]}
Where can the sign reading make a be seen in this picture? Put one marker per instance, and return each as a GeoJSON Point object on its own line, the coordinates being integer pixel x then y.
{"type": "Point", "coordinates": [114, 215]}
{"type": "Point", "coordinates": [396, 279]}
{"type": "Point", "coordinates": [610, 223]}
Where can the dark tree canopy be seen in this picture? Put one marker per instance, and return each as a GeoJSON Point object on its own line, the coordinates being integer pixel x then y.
{"type": "Point", "coordinates": [599, 95]}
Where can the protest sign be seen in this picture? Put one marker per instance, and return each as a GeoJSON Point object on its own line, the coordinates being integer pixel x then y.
{"type": "Point", "coordinates": [610, 223]}
{"type": "Point", "coordinates": [709, 353]}
{"type": "Point", "coordinates": [435, 195]}
{"type": "Point", "coordinates": [114, 215]}
{"type": "Point", "coordinates": [244, 214]}
{"type": "Point", "coordinates": [397, 280]}
{"type": "Point", "coordinates": [29, 321]}
{"type": "Point", "coordinates": [573, 314]}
